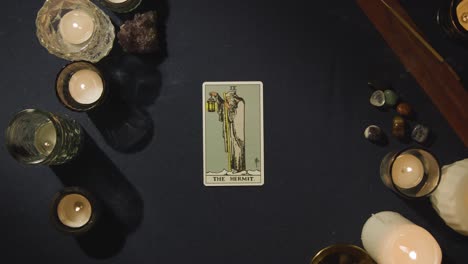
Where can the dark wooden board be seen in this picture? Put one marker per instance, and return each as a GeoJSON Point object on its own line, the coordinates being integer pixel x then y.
{"type": "Point", "coordinates": [435, 78]}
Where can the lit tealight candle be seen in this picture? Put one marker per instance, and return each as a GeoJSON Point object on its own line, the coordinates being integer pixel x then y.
{"type": "Point", "coordinates": [74, 210]}
{"type": "Point", "coordinates": [86, 86]}
{"type": "Point", "coordinates": [45, 138]}
{"type": "Point", "coordinates": [407, 171]}
{"type": "Point", "coordinates": [76, 27]}
{"type": "Point", "coordinates": [390, 238]}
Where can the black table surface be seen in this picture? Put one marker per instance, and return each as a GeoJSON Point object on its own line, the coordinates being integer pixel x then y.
{"type": "Point", "coordinates": [322, 179]}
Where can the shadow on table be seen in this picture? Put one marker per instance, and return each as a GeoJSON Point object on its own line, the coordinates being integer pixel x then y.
{"type": "Point", "coordinates": [447, 259]}
{"type": "Point", "coordinates": [134, 83]}
{"type": "Point", "coordinates": [424, 208]}
{"type": "Point", "coordinates": [125, 127]}
{"type": "Point", "coordinates": [121, 204]}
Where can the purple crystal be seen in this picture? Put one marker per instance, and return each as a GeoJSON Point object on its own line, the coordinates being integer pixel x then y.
{"type": "Point", "coordinates": [140, 35]}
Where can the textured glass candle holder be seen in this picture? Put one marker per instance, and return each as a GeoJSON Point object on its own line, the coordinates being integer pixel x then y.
{"type": "Point", "coordinates": [74, 211]}
{"type": "Point", "coordinates": [94, 46]}
{"type": "Point", "coordinates": [89, 98]}
{"type": "Point", "coordinates": [39, 137]}
{"type": "Point", "coordinates": [121, 6]}
{"type": "Point", "coordinates": [411, 173]}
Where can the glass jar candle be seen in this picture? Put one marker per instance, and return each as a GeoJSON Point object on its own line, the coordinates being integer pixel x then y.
{"type": "Point", "coordinates": [75, 30]}
{"type": "Point", "coordinates": [80, 86]}
{"type": "Point", "coordinates": [38, 137]}
{"type": "Point", "coordinates": [121, 6]}
{"type": "Point", "coordinates": [411, 173]}
{"type": "Point", "coordinates": [74, 211]}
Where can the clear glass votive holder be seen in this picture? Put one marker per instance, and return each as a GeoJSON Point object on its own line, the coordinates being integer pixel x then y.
{"type": "Point", "coordinates": [75, 30]}
{"type": "Point", "coordinates": [74, 211]}
{"type": "Point", "coordinates": [121, 6]}
{"type": "Point", "coordinates": [80, 86]}
{"type": "Point", "coordinates": [411, 173]}
{"type": "Point", "coordinates": [342, 254]}
{"type": "Point", "coordinates": [39, 137]}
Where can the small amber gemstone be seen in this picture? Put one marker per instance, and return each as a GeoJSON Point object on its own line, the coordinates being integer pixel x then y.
{"type": "Point", "coordinates": [398, 132]}
{"type": "Point", "coordinates": [398, 127]}
{"type": "Point", "coordinates": [404, 109]}
{"type": "Point", "coordinates": [398, 121]}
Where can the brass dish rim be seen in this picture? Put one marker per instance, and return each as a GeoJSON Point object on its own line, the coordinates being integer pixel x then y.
{"type": "Point", "coordinates": [319, 256]}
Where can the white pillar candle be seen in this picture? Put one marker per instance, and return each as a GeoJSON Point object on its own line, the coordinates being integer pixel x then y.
{"type": "Point", "coordinates": [76, 27]}
{"type": "Point", "coordinates": [450, 199]}
{"type": "Point", "coordinates": [74, 210]}
{"type": "Point", "coordinates": [407, 171]}
{"type": "Point", "coordinates": [86, 86]}
{"type": "Point", "coordinates": [45, 138]}
{"type": "Point", "coordinates": [390, 238]}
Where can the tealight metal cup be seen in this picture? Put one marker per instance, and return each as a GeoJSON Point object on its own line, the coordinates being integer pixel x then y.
{"type": "Point", "coordinates": [57, 217]}
{"type": "Point", "coordinates": [62, 86]}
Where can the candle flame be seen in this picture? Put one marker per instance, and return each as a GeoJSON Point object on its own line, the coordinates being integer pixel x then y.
{"type": "Point", "coordinates": [78, 206]}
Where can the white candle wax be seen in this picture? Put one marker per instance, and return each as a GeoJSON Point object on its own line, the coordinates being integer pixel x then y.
{"type": "Point", "coordinates": [74, 210]}
{"type": "Point", "coordinates": [450, 199]}
{"type": "Point", "coordinates": [76, 27]}
{"type": "Point", "coordinates": [116, 1]}
{"type": "Point", "coordinates": [86, 86]}
{"type": "Point", "coordinates": [389, 238]}
{"type": "Point", "coordinates": [45, 138]}
{"type": "Point", "coordinates": [407, 171]}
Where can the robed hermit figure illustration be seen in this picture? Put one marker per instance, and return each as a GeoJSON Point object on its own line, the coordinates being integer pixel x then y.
{"type": "Point", "coordinates": [231, 110]}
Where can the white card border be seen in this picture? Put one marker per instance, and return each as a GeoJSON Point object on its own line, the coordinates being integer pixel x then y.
{"type": "Point", "coordinates": [262, 149]}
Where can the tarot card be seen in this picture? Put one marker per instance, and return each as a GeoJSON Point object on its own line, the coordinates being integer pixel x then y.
{"type": "Point", "coordinates": [233, 134]}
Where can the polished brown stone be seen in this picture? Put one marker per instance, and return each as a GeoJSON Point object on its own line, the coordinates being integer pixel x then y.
{"type": "Point", "coordinates": [404, 109]}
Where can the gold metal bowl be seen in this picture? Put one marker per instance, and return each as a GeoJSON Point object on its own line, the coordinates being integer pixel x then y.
{"type": "Point", "coordinates": [342, 254]}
